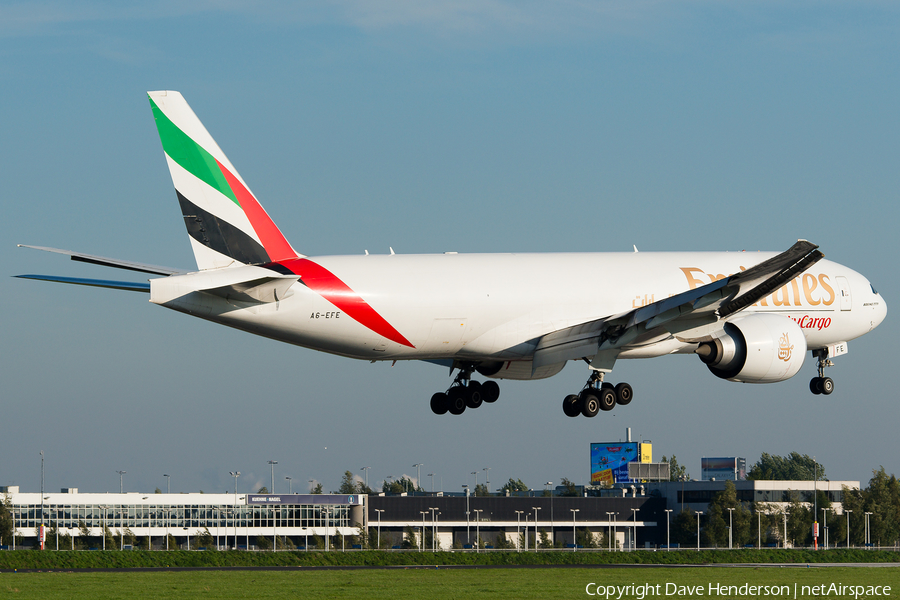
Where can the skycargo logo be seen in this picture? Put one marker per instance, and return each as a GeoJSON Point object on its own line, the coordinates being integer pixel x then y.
{"type": "Point", "coordinates": [808, 322]}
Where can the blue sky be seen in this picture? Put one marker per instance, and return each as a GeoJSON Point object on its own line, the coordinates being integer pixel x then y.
{"type": "Point", "coordinates": [470, 126]}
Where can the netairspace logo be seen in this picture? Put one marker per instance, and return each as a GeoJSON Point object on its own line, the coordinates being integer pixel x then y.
{"type": "Point", "coordinates": [651, 590]}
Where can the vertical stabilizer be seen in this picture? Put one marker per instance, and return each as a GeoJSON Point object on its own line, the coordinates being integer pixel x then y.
{"type": "Point", "coordinates": [225, 222]}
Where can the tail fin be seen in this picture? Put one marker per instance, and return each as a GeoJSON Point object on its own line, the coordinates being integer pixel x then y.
{"type": "Point", "coordinates": [225, 222]}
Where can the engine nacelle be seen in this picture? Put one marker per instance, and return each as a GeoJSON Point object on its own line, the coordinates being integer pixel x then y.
{"type": "Point", "coordinates": [756, 348]}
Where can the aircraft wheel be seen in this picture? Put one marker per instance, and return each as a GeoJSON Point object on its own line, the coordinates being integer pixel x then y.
{"type": "Point", "coordinates": [827, 385]}
{"type": "Point", "coordinates": [473, 394]}
{"type": "Point", "coordinates": [456, 400]}
{"type": "Point", "coordinates": [607, 399]}
{"type": "Point", "coordinates": [490, 391]}
{"type": "Point", "coordinates": [571, 405]}
{"type": "Point", "coordinates": [624, 394]}
{"type": "Point", "coordinates": [590, 403]}
{"type": "Point", "coordinates": [440, 403]}
{"type": "Point", "coordinates": [814, 384]}
{"type": "Point", "coordinates": [607, 384]}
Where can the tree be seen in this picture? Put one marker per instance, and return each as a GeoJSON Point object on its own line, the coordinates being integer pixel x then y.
{"type": "Point", "coordinates": [684, 529]}
{"type": "Point", "coordinates": [794, 467]}
{"type": "Point", "coordinates": [717, 518]}
{"type": "Point", "coordinates": [84, 536]}
{"type": "Point", "coordinates": [317, 489]}
{"type": "Point", "coordinates": [584, 538]}
{"type": "Point", "coordinates": [157, 491]}
{"type": "Point", "coordinates": [482, 490]}
{"type": "Point", "coordinates": [409, 538]}
{"type": "Point", "coordinates": [204, 539]}
{"type": "Point", "coordinates": [570, 488]}
{"type": "Point", "coordinates": [514, 485]}
{"type": "Point", "coordinates": [545, 539]}
{"type": "Point", "coordinates": [348, 484]}
{"type": "Point", "coordinates": [263, 490]}
{"type": "Point", "coordinates": [501, 542]}
{"type": "Point", "coordinates": [263, 542]}
{"type": "Point", "coordinates": [6, 520]}
{"type": "Point", "coordinates": [111, 542]}
{"type": "Point", "coordinates": [129, 537]}
{"type": "Point", "coordinates": [677, 472]}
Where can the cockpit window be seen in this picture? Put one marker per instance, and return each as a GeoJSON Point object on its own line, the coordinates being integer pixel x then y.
{"type": "Point", "coordinates": [874, 291]}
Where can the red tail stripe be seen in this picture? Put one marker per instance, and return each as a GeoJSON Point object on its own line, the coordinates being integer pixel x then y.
{"type": "Point", "coordinates": [329, 286]}
{"type": "Point", "coordinates": [272, 240]}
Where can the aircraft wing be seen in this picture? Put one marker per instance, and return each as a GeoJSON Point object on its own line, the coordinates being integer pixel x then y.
{"type": "Point", "coordinates": [131, 286]}
{"type": "Point", "coordinates": [699, 309]}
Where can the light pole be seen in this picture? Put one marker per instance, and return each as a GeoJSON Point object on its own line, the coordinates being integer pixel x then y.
{"type": "Point", "coordinates": [634, 528]}
{"type": "Point", "coordinates": [432, 482]}
{"type": "Point", "coordinates": [379, 511]}
{"type": "Point", "coordinates": [290, 481]}
{"type": "Point", "coordinates": [311, 485]}
{"type": "Point", "coordinates": [272, 464]}
{"type": "Point", "coordinates": [848, 525]}
{"type": "Point", "coordinates": [867, 538]}
{"type": "Point", "coordinates": [468, 537]}
{"type": "Point", "coordinates": [574, 538]}
{"type": "Point", "coordinates": [418, 467]}
{"type": "Point", "coordinates": [548, 484]}
{"type": "Point", "coordinates": [518, 531]}
{"type": "Point", "coordinates": [478, 512]}
{"type": "Point", "coordinates": [535, 509]}
{"type": "Point", "coordinates": [433, 529]}
{"type": "Point", "coordinates": [699, 512]}
{"type": "Point", "coordinates": [168, 487]}
{"type": "Point", "coordinates": [668, 544]}
{"type": "Point", "coordinates": [366, 471]}
{"type": "Point", "coordinates": [475, 473]}
{"type": "Point", "coordinates": [825, 527]}
{"type": "Point", "coordinates": [730, 523]}
{"type": "Point", "coordinates": [234, 474]}
{"type": "Point", "coordinates": [609, 518]}
{"type": "Point", "coordinates": [487, 478]}
{"type": "Point", "coordinates": [121, 487]}
{"type": "Point", "coordinates": [422, 544]}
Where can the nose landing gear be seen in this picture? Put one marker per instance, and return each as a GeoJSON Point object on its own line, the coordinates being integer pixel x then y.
{"type": "Point", "coordinates": [592, 399]}
{"type": "Point", "coordinates": [821, 384]}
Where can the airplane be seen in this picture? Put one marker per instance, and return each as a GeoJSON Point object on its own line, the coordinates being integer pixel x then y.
{"type": "Point", "coordinates": [749, 316]}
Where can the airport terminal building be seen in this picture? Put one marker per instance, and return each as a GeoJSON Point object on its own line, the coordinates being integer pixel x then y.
{"type": "Point", "coordinates": [627, 516]}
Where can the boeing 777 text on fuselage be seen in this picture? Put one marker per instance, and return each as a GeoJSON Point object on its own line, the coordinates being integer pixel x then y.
{"type": "Point", "coordinates": [749, 317]}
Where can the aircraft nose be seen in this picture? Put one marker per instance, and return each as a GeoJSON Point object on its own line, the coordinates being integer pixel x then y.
{"type": "Point", "coordinates": [880, 311]}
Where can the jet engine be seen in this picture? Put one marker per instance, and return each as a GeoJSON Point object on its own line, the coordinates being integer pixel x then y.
{"type": "Point", "coordinates": [756, 348]}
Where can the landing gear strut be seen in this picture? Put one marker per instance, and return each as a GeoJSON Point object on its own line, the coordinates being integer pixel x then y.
{"type": "Point", "coordinates": [464, 393]}
{"type": "Point", "coordinates": [597, 395]}
{"type": "Point", "coordinates": [821, 384]}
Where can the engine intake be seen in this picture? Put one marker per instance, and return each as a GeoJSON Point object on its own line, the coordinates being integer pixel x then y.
{"type": "Point", "coordinates": [756, 348]}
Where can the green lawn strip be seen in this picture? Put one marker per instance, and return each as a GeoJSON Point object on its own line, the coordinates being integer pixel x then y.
{"type": "Point", "coordinates": [451, 583]}
{"type": "Point", "coordinates": [29, 559]}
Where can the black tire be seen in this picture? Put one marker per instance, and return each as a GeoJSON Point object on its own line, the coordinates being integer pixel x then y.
{"type": "Point", "coordinates": [572, 405]}
{"type": "Point", "coordinates": [490, 391]}
{"type": "Point", "coordinates": [473, 394]}
{"type": "Point", "coordinates": [624, 394]}
{"type": "Point", "coordinates": [590, 404]}
{"type": "Point", "coordinates": [607, 384]}
{"type": "Point", "coordinates": [827, 385]}
{"type": "Point", "coordinates": [814, 385]}
{"type": "Point", "coordinates": [457, 400]}
{"type": "Point", "coordinates": [607, 399]}
{"type": "Point", "coordinates": [440, 403]}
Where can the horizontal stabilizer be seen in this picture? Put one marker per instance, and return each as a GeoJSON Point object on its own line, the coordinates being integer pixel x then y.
{"type": "Point", "coordinates": [111, 262]}
{"type": "Point", "coordinates": [130, 286]}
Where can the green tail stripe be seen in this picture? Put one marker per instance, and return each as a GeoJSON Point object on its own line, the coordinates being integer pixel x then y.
{"type": "Point", "coordinates": [191, 156]}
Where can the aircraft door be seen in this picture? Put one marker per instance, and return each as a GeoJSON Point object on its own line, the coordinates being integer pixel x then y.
{"type": "Point", "coordinates": [844, 287]}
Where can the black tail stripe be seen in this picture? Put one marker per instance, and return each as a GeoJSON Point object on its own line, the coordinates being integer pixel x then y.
{"type": "Point", "coordinates": [220, 235]}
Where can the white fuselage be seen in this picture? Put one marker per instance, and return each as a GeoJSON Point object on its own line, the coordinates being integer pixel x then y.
{"type": "Point", "coordinates": [496, 306]}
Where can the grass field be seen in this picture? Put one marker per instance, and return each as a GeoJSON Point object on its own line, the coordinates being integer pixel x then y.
{"type": "Point", "coordinates": [398, 582]}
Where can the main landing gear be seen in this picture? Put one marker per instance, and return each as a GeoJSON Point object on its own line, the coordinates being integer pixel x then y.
{"type": "Point", "coordinates": [594, 398]}
{"type": "Point", "coordinates": [821, 384]}
{"type": "Point", "coordinates": [464, 393]}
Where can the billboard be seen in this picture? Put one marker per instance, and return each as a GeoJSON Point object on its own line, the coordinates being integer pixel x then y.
{"type": "Point", "coordinates": [723, 468]}
{"type": "Point", "coordinates": [609, 462]}
{"type": "Point", "coordinates": [303, 499]}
